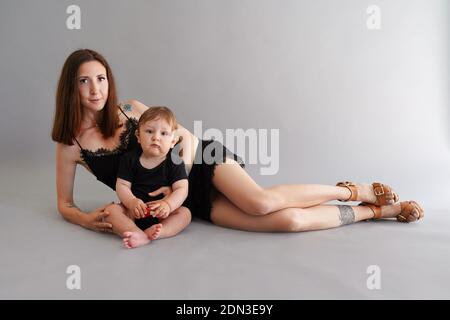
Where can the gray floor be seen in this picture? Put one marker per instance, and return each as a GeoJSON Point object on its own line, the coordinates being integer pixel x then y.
{"type": "Point", "coordinates": [209, 262]}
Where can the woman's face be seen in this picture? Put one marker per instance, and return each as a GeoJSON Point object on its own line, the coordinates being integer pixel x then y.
{"type": "Point", "coordinates": [92, 85]}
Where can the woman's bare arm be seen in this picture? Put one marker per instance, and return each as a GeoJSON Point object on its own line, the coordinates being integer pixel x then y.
{"type": "Point", "coordinates": [179, 194]}
{"type": "Point", "coordinates": [66, 157]}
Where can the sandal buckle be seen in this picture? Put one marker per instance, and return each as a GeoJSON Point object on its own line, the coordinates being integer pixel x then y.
{"type": "Point", "coordinates": [379, 191]}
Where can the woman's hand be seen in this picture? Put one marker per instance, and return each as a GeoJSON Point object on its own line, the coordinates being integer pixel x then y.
{"type": "Point", "coordinates": [95, 220]}
{"type": "Point", "coordinates": [160, 208]}
{"type": "Point", "coordinates": [152, 205]}
{"type": "Point", "coordinates": [166, 191]}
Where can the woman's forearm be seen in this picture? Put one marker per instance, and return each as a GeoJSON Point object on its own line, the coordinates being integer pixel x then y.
{"type": "Point", "coordinates": [176, 198]}
{"type": "Point", "coordinates": [72, 213]}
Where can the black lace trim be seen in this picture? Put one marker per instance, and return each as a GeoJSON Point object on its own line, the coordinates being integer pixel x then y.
{"type": "Point", "coordinates": [131, 125]}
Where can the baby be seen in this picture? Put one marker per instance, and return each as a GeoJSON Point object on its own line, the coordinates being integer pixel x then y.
{"type": "Point", "coordinates": [145, 170]}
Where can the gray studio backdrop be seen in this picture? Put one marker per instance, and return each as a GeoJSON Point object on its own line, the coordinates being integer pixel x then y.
{"type": "Point", "coordinates": [349, 102]}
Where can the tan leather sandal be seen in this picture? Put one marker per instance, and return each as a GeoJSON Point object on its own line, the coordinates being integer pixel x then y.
{"type": "Point", "coordinates": [350, 186]}
{"type": "Point", "coordinates": [406, 210]}
{"type": "Point", "coordinates": [383, 192]}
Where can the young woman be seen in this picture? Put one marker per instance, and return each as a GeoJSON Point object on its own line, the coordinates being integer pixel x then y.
{"type": "Point", "coordinates": [93, 130]}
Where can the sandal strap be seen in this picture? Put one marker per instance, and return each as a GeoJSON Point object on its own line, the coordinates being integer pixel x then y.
{"type": "Point", "coordinates": [375, 209]}
{"type": "Point", "coordinates": [407, 208]}
{"type": "Point", "coordinates": [383, 193]}
{"type": "Point", "coordinates": [350, 186]}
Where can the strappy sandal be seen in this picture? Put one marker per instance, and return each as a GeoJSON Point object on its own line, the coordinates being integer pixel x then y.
{"type": "Point", "coordinates": [407, 207]}
{"type": "Point", "coordinates": [383, 192]}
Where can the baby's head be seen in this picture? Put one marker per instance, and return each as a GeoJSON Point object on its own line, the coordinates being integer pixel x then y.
{"type": "Point", "coordinates": [156, 131]}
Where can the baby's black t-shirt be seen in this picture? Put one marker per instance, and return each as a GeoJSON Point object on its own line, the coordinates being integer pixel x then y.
{"type": "Point", "coordinates": [145, 180]}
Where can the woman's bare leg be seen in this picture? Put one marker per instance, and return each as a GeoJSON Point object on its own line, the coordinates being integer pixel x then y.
{"type": "Point", "coordinates": [226, 214]}
{"type": "Point", "coordinates": [235, 183]}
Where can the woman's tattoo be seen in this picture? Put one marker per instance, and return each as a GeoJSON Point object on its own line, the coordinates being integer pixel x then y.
{"type": "Point", "coordinates": [346, 214]}
{"type": "Point", "coordinates": [127, 107]}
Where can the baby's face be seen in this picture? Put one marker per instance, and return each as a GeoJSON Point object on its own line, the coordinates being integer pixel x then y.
{"type": "Point", "coordinates": [156, 137]}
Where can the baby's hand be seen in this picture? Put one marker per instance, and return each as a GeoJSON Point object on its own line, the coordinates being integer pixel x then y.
{"type": "Point", "coordinates": [160, 208]}
{"type": "Point", "coordinates": [138, 207]}
{"type": "Point", "coordinates": [150, 213]}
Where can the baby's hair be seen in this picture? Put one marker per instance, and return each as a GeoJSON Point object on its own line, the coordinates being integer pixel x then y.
{"type": "Point", "coordinates": [159, 112]}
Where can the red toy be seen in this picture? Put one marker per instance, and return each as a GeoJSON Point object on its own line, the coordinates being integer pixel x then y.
{"type": "Point", "coordinates": [149, 212]}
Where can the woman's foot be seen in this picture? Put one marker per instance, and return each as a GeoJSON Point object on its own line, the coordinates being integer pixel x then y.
{"type": "Point", "coordinates": [134, 239]}
{"type": "Point", "coordinates": [375, 193]}
{"type": "Point", "coordinates": [154, 231]}
{"type": "Point", "coordinates": [406, 211]}
{"type": "Point", "coordinates": [366, 194]}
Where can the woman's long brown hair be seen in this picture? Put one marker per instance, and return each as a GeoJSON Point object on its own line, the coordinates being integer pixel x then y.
{"type": "Point", "coordinates": [69, 112]}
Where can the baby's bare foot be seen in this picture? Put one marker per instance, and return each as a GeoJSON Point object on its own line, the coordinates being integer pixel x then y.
{"type": "Point", "coordinates": [134, 239]}
{"type": "Point", "coordinates": [154, 231]}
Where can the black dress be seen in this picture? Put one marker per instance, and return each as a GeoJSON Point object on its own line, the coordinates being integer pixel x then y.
{"type": "Point", "coordinates": [201, 188]}
{"type": "Point", "coordinates": [104, 163]}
